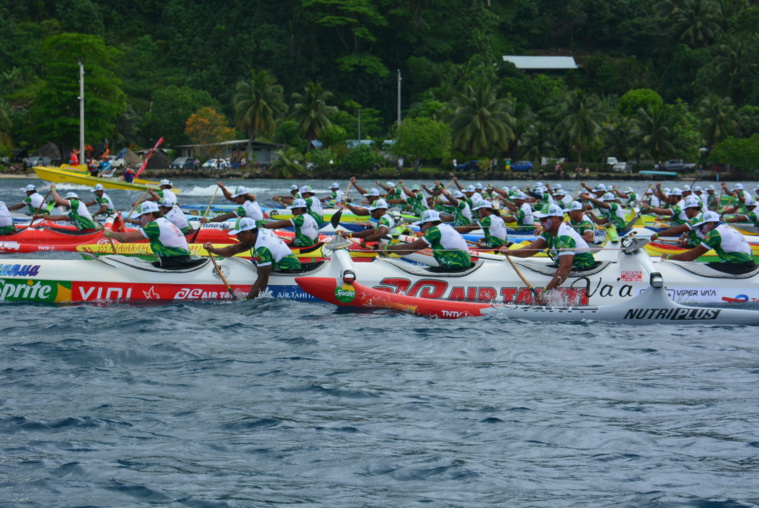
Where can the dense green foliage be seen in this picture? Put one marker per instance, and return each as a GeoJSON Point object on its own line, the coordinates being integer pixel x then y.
{"type": "Point", "coordinates": [659, 79]}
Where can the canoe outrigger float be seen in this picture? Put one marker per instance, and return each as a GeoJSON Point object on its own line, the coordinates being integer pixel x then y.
{"type": "Point", "coordinates": [75, 175]}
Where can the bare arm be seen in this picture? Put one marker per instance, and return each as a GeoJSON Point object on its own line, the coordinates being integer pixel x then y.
{"type": "Point", "coordinates": [525, 252]}
{"type": "Point", "coordinates": [690, 255]}
{"type": "Point", "coordinates": [131, 236]}
{"type": "Point", "coordinates": [562, 272]}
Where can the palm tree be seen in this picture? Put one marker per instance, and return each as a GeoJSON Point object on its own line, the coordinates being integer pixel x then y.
{"type": "Point", "coordinates": [286, 166]}
{"type": "Point", "coordinates": [537, 141]}
{"type": "Point", "coordinates": [698, 22]}
{"type": "Point", "coordinates": [618, 135]}
{"type": "Point", "coordinates": [480, 120]}
{"type": "Point", "coordinates": [258, 103]}
{"type": "Point", "coordinates": [654, 132]}
{"type": "Point", "coordinates": [719, 119]}
{"type": "Point", "coordinates": [581, 126]}
{"type": "Point", "coordinates": [311, 111]}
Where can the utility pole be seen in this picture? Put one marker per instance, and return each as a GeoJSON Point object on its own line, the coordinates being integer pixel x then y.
{"type": "Point", "coordinates": [399, 97]}
{"type": "Point", "coordinates": [81, 113]}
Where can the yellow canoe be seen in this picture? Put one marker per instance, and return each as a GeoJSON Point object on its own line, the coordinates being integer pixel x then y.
{"type": "Point", "coordinates": [79, 175]}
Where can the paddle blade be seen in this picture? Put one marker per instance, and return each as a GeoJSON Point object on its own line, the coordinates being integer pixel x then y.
{"type": "Point", "coordinates": [335, 220]}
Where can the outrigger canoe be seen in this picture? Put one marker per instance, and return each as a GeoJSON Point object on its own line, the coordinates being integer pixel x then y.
{"type": "Point", "coordinates": [651, 307]}
{"type": "Point", "coordinates": [73, 174]}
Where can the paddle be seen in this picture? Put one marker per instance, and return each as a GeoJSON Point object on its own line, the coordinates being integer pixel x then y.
{"type": "Point", "coordinates": [221, 276]}
{"type": "Point", "coordinates": [40, 208]}
{"type": "Point", "coordinates": [531, 288]}
{"type": "Point", "coordinates": [335, 220]}
{"type": "Point", "coordinates": [200, 225]}
{"type": "Point", "coordinates": [137, 203]}
{"type": "Point", "coordinates": [113, 246]}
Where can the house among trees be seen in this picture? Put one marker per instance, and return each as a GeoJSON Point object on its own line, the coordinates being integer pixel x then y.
{"type": "Point", "coordinates": [260, 152]}
{"type": "Point", "coordinates": [548, 64]}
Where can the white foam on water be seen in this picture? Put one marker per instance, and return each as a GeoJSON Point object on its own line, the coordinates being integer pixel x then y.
{"type": "Point", "coordinates": [209, 190]}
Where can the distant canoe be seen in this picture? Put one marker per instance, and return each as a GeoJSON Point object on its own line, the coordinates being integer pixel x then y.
{"type": "Point", "coordinates": [659, 173]}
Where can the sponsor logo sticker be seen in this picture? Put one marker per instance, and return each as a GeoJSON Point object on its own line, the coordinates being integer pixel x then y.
{"type": "Point", "coordinates": [632, 276]}
{"type": "Point", "coordinates": [345, 293]}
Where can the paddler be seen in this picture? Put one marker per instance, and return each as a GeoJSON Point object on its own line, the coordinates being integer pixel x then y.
{"type": "Point", "coordinates": [33, 200]}
{"type": "Point", "coordinates": [6, 220]}
{"type": "Point", "coordinates": [692, 210]}
{"type": "Point", "coordinates": [749, 216]}
{"type": "Point", "coordinates": [520, 209]}
{"type": "Point", "coordinates": [448, 246]}
{"type": "Point", "coordinates": [734, 252]}
{"type": "Point", "coordinates": [580, 222]}
{"type": "Point", "coordinates": [493, 227]}
{"type": "Point", "coordinates": [306, 228]}
{"type": "Point", "coordinates": [269, 252]}
{"type": "Point", "coordinates": [315, 209]}
{"type": "Point", "coordinates": [676, 210]}
{"type": "Point", "coordinates": [384, 225]}
{"type": "Point", "coordinates": [336, 196]}
{"type": "Point", "coordinates": [102, 199]}
{"type": "Point", "coordinates": [175, 215]}
{"type": "Point", "coordinates": [415, 199]}
{"type": "Point", "coordinates": [166, 240]}
{"type": "Point", "coordinates": [248, 205]}
{"type": "Point", "coordinates": [78, 213]}
{"type": "Point", "coordinates": [461, 213]}
{"type": "Point", "coordinates": [565, 245]}
{"type": "Point", "coordinates": [611, 212]}
{"type": "Point", "coordinates": [165, 192]}
{"type": "Point", "coordinates": [286, 200]}
{"type": "Point", "coordinates": [736, 192]}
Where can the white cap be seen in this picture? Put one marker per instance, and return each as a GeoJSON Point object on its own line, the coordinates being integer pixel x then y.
{"type": "Point", "coordinates": [697, 188]}
{"type": "Point", "coordinates": [738, 186]}
{"type": "Point", "coordinates": [72, 195]}
{"type": "Point", "coordinates": [557, 186]}
{"type": "Point", "coordinates": [373, 192]}
{"type": "Point", "coordinates": [478, 186]}
{"type": "Point", "coordinates": [559, 192]}
{"type": "Point", "coordinates": [676, 192]}
{"type": "Point", "coordinates": [628, 189]}
{"type": "Point", "coordinates": [166, 203]}
{"type": "Point", "coordinates": [749, 202]}
{"type": "Point", "coordinates": [709, 216]}
{"type": "Point", "coordinates": [710, 188]}
{"type": "Point", "coordinates": [380, 203]}
{"type": "Point", "coordinates": [165, 182]}
{"type": "Point", "coordinates": [686, 188]}
{"type": "Point", "coordinates": [458, 194]}
{"type": "Point", "coordinates": [306, 189]}
{"type": "Point", "coordinates": [31, 188]}
{"type": "Point", "coordinates": [600, 187]}
{"type": "Point", "coordinates": [608, 197]}
{"type": "Point", "coordinates": [553, 211]}
{"type": "Point", "coordinates": [649, 191]}
{"type": "Point", "coordinates": [390, 184]}
{"type": "Point", "coordinates": [239, 191]}
{"type": "Point", "coordinates": [470, 189]}
{"type": "Point", "coordinates": [483, 204]}
{"type": "Point", "coordinates": [692, 202]}
{"type": "Point", "coordinates": [293, 187]}
{"type": "Point", "coordinates": [243, 224]}
{"type": "Point", "coordinates": [429, 216]}
{"type": "Point", "coordinates": [146, 207]}
{"type": "Point", "coordinates": [98, 187]}
{"type": "Point", "coordinates": [299, 203]}
{"type": "Point", "coordinates": [576, 205]}
{"type": "Point", "coordinates": [520, 195]}
{"type": "Point", "coordinates": [335, 185]}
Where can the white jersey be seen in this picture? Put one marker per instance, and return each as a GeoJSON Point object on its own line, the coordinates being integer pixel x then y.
{"type": "Point", "coordinates": [528, 219]}
{"type": "Point", "coordinates": [168, 194]}
{"type": "Point", "coordinates": [450, 239]}
{"type": "Point", "coordinates": [81, 209]}
{"type": "Point", "coordinates": [565, 202]}
{"type": "Point", "coordinates": [497, 227]}
{"type": "Point", "coordinates": [177, 217]}
{"type": "Point", "coordinates": [36, 200]}
{"type": "Point", "coordinates": [316, 206]}
{"type": "Point", "coordinates": [309, 226]}
{"type": "Point", "coordinates": [274, 244]}
{"type": "Point", "coordinates": [250, 209]}
{"type": "Point", "coordinates": [5, 216]}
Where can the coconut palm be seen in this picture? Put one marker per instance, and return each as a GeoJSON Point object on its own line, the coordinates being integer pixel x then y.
{"type": "Point", "coordinates": [537, 141]}
{"type": "Point", "coordinates": [480, 120]}
{"type": "Point", "coordinates": [698, 22]}
{"type": "Point", "coordinates": [618, 135]}
{"type": "Point", "coordinates": [286, 166]}
{"type": "Point", "coordinates": [719, 119]}
{"type": "Point", "coordinates": [312, 112]}
{"type": "Point", "coordinates": [654, 132]}
{"type": "Point", "coordinates": [581, 126]}
{"type": "Point", "coordinates": [258, 103]}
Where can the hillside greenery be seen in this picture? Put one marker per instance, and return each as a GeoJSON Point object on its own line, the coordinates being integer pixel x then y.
{"type": "Point", "coordinates": [659, 79]}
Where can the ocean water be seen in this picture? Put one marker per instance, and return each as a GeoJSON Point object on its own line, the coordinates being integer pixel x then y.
{"type": "Point", "coordinates": [290, 403]}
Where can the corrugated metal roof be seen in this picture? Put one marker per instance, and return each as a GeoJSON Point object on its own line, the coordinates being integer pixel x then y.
{"type": "Point", "coordinates": [542, 62]}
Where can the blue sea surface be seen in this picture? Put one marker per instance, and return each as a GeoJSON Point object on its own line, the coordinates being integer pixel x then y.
{"type": "Point", "coordinates": [273, 402]}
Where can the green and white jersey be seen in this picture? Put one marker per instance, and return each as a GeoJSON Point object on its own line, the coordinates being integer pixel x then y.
{"type": "Point", "coordinates": [306, 230]}
{"type": "Point", "coordinates": [336, 197]}
{"type": "Point", "coordinates": [80, 216]}
{"type": "Point", "coordinates": [177, 217]}
{"type": "Point", "coordinates": [583, 225]}
{"type": "Point", "coordinates": [462, 214]}
{"type": "Point", "coordinates": [632, 198]}
{"type": "Point", "coordinates": [418, 204]}
{"type": "Point", "coordinates": [448, 246]}
{"type": "Point", "coordinates": [568, 242]}
{"type": "Point", "coordinates": [315, 209]}
{"type": "Point", "coordinates": [34, 202]}
{"type": "Point", "coordinates": [729, 245]}
{"type": "Point", "coordinates": [166, 239]}
{"type": "Point", "coordinates": [168, 193]}
{"type": "Point", "coordinates": [615, 214]}
{"type": "Point", "coordinates": [524, 215]}
{"type": "Point", "coordinates": [694, 238]}
{"type": "Point", "coordinates": [385, 221]}
{"type": "Point", "coordinates": [753, 217]}
{"type": "Point", "coordinates": [105, 200]}
{"type": "Point", "coordinates": [565, 202]}
{"type": "Point", "coordinates": [250, 209]}
{"type": "Point", "coordinates": [6, 220]}
{"type": "Point", "coordinates": [651, 201]}
{"type": "Point", "coordinates": [271, 250]}
{"type": "Point", "coordinates": [495, 230]}
{"type": "Point", "coordinates": [678, 216]}
{"type": "Point", "coordinates": [396, 193]}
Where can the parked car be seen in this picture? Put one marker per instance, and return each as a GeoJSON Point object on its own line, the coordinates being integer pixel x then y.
{"type": "Point", "coordinates": [468, 166]}
{"type": "Point", "coordinates": [182, 163]}
{"type": "Point", "coordinates": [38, 160]}
{"type": "Point", "coordinates": [522, 166]}
{"type": "Point", "coordinates": [621, 167]}
{"type": "Point", "coordinates": [678, 165]}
